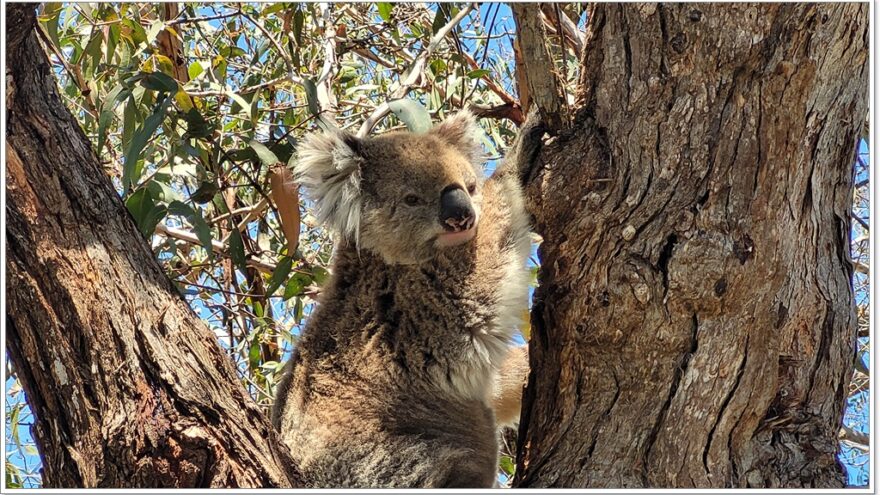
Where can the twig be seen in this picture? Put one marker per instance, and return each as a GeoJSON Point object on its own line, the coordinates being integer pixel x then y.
{"type": "Point", "coordinates": [855, 438]}
{"type": "Point", "coordinates": [537, 65]}
{"type": "Point", "coordinates": [189, 20]}
{"type": "Point", "coordinates": [288, 60]}
{"type": "Point", "coordinates": [324, 84]}
{"type": "Point", "coordinates": [244, 91]}
{"type": "Point", "coordinates": [409, 78]}
{"type": "Point", "coordinates": [216, 246]}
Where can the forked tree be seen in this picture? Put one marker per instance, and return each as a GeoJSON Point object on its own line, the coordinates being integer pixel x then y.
{"type": "Point", "coordinates": [694, 324]}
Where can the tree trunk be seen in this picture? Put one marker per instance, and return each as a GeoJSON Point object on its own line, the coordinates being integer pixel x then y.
{"type": "Point", "coordinates": [128, 386]}
{"type": "Point", "coordinates": [694, 324]}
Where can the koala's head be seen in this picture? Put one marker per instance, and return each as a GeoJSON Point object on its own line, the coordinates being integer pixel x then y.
{"type": "Point", "coordinates": [401, 195]}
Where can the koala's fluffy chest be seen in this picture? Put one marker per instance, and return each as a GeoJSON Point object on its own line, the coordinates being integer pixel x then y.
{"type": "Point", "coordinates": [443, 326]}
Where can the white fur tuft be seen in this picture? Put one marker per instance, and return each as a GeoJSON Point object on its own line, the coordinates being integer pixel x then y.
{"type": "Point", "coordinates": [464, 133]}
{"type": "Point", "coordinates": [330, 171]}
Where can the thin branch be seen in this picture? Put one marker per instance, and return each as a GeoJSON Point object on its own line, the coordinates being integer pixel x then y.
{"type": "Point", "coordinates": [861, 267]}
{"type": "Point", "coordinates": [288, 60]}
{"type": "Point", "coordinates": [246, 90]}
{"type": "Point", "coordinates": [537, 65]}
{"type": "Point", "coordinates": [556, 19]}
{"type": "Point", "coordinates": [216, 246]}
{"type": "Point", "coordinates": [326, 97]}
{"type": "Point", "coordinates": [409, 78]}
{"type": "Point", "coordinates": [490, 83]}
{"type": "Point", "coordinates": [190, 20]}
{"type": "Point", "coordinates": [854, 438]}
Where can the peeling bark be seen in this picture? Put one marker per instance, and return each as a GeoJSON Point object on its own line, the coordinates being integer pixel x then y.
{"type": "Point", "coordinates": [694, 324]}
{"type": "Point", "coordinates": [128, 387]}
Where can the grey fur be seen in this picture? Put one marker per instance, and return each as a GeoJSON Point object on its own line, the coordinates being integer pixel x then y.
{"type": "Point", "coordinates": [391, 383]}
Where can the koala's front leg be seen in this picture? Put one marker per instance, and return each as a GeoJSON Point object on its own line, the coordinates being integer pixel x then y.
{"type": "Point", "coordinates": [465, 474]}
{"type": "Point", "coordinates": [507, 396]}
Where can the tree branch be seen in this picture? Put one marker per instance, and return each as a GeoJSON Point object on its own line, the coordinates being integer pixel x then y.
{"type": "Point", "coordinates": [409, 78]}
{"type": "Point", "coordinates": [537, 65]}
{"type": "Point", "coordinates": [855, 439]}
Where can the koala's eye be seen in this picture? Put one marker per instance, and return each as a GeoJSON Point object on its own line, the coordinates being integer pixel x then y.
{"type": "Point", "coordinates": [472, 188]}
{"type": "Point", "coordinates": [411, 199]}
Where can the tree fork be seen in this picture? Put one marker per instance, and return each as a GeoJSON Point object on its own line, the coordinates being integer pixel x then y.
{"type": "Point", "coordinates": [127, 385]}
{"type": "Point", "coordinates": [694, 324]}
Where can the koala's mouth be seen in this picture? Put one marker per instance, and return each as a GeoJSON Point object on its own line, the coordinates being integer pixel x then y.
{"type": "Point", "coordinates": [449, 239]}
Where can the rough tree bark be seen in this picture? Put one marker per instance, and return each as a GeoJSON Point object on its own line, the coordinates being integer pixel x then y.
{"type": "Point", "coordinates": [694, 324]}
{"type": "Point", "coordinates": [128, 386]}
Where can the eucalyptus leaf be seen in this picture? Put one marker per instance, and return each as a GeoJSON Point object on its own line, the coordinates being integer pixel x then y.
{"type": "Point", "coordinates": [311, 96]}
{"type": "Point", "coordinates": [147, 214]}
{"type": "Point", "coordinates": [138, 142]}
{"type": "Point", "coordinates": [279, 275]}
{"type": "Point", "coordinates": [159, 81]}
{"type": "Point", "coordinates": [236, 248]}
{"type": "Point", "coordinates": [195, 218]}
{"type": "Point", "coordinates": [385, 9]}
{"type": "Point", "coordinates": [265, 155]}
{"type": "Point", "coordinates": [412, 114]}
{"type": "Point", "coordinates": [242, 103]}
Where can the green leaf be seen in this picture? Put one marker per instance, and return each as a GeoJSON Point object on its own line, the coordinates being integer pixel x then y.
{"type": "Point", "coordinates": [115, 95]}
{"type": "Point", "coordinates": [298, 310]}
{"type": "Point", "coordinates": [146, 213]}
{"type": "Point", "coordinates": [241, 103]}
{"type": "Point", "coordinates": [13, 421]}
{"type": "Point", "coordinates": [114, 32]}
{"type": "Point", "coordinates": [411, 113]}
{"type": "Point", "coordinates": [272, 8]}
{"type": "Point", "coordinates": [205, 192]}
{"type": "Point", "coordinates": [279, 275]}
{"type": "Point", "coordinates": [93, 46]}
{"type": "Point", "coordinates": [160, 191]}
{"type": "Point", "coordinates": [156, 27]}
{"type": "Point", "coordinates": [311, 96]}
{"type": "Point", "coordinates": [437, 66]}
{"type": "Point", "coordinates": [50, 16]}
{"type": "Point", "coordinates": [254, 354]}
{"type": "Point", "coordinates": [138, 33]}
{"type": "Point", "coordinates": [266, 156]}
{"type": "Point", "coordinates": [196, 125]}
{"type": "Point", "coordinates": [159, 81]}
{"type": "Point", "coordinates": [507, 465]}
{"type": "Point", "coordinates": [129, 121]}
{"type": "Point", "coordinates": [236, 248]}
{"type": "Point", "coordinates": [478, 73]}
{"type": "Point", "coordinates": [195, 218]}
{"type": "Point", "coordinates": [299, 19]}
{"type": "Point", "coordinates": [385, 10]}
{"type": "Point", "coordinates": [138, 142]}
{"type": "Point", "coordinates": [440, 20]}
{"type": "Point", "coordinates": [295, 285]}
{"type": "Point", "coordinates": [319, 274]}
{"type": "Point", "coordinates": [195, 69]}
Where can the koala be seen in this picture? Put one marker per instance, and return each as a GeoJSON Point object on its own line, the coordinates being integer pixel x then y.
{"type": "Point", "coordinates": [395, 377]}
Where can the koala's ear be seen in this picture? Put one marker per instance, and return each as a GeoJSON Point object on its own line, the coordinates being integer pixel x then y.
{"type": "Point", "coordinates": [329, 169]}
{"type": "Point", "coordinates": [462, 131]}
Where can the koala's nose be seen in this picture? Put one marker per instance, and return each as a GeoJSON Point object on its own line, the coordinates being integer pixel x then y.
{"type": "Point", "coordinates": [456, 212]}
